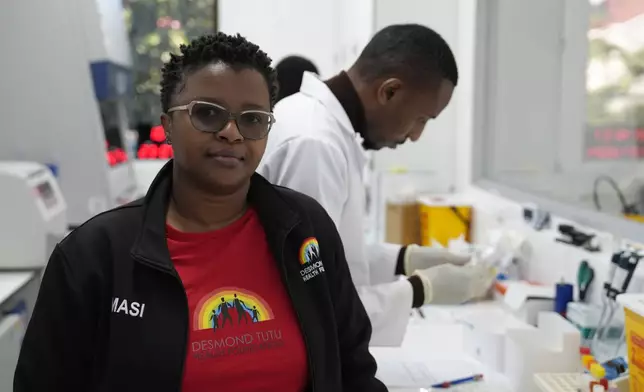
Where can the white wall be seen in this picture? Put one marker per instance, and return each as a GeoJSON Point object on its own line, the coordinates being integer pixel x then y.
{"type": "Point", "coordinates": [354, 21]}
{"type": "Point", "coordinates": [105, 34]}
{"type": "Point", "coordinates": [278, 28]}
{"type": "Point", "coordinates": [468, 90]}
{"type": "Point", "coordinates": [329, 33]}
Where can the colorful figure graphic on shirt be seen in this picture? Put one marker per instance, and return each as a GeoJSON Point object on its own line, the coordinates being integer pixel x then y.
{"type": "Point", "coordinates": [309, 251]}
{"type": "Point", "coordinates": [313, 254]}
{"type": "Point", "coordinates": [242, 310]}
{"type": "Point", "coordinates": [223, 311]}
{"type": "Point", "coordinates": [213, 318]}
{"type": "Point", "coordinates": [216, 309]}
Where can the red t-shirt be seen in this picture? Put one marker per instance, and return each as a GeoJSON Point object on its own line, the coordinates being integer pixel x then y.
{"type": "Point", "coordinates": [244, 333]}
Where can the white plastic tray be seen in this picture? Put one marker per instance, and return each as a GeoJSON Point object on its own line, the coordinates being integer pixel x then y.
{"type": "Point", "coordinates": [557, 382]}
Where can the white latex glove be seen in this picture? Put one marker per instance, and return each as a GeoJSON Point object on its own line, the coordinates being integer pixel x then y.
{"type": "Point", "coordinates": [448, 284]}
{"type": "Point", "coordinates": [423, 257]}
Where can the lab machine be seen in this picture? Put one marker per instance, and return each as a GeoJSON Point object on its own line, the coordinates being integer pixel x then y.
{"type": "Point", "coordinates": [32, 221]}
{"type": "Point", "coordinates": [107, 51]}
{"type": "Point", "coordinates": [32, 215]}
{"type": "Point", "coordinates": [65, 105]}
{"type": "Point", "coordinates": [146, 170]}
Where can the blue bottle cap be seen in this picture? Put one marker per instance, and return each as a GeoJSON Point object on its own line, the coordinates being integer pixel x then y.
{"type": "Point", "coordinates": [53, 168]}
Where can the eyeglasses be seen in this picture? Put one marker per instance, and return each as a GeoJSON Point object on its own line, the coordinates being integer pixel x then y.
{"type": "Point", "coordinates": [210, 117]}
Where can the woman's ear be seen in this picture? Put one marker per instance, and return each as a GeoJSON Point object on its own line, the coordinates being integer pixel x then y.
{"type": "Point", "coordinates": [166, 122]}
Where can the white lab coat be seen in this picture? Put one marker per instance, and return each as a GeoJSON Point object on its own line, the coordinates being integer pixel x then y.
{"type": "Point", "coordinates": [314, 149]}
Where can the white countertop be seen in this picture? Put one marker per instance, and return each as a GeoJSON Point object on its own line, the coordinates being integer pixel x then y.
{"type": "Point", "coordinates": [438, 337]}
{"type": "Point", "coordinates": [11, 282]}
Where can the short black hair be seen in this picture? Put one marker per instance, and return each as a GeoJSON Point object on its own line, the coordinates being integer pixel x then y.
{"type": "Point", "coordinates": [233, 50]}
{"type": "Point", "coordinates": [289, 74]}
{"type": "Point", "coordinates": [408, 50]}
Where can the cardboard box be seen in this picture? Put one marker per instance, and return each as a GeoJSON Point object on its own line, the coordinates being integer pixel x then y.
{"type": "Point", "coordinates": [402, 223]}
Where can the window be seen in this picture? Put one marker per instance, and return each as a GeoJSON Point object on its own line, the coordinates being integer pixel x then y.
{"type": "Point", "coordinates": [563, 106]}
{"type": "Point", "coordinates": [615, 100]}
{"type": "Point", "coordinates": [156, 29]}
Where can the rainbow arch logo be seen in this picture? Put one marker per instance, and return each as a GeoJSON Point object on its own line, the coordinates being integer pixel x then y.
{"type": "Point", "coordinates": [309, 251]}
{"type": "Point", "coordinates": [229, 307]}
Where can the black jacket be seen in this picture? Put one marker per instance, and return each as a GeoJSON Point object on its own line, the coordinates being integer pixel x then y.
{"type": "Point", "coordinates": [75, 343]}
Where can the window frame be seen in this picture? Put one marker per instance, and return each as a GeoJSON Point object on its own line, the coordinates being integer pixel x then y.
{"type": "Point", "coordinates": [482, 138]}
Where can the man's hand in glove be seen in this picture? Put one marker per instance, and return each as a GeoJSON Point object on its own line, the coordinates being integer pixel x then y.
{"type": "Point", "coordinates": [423, 257]}
{"type": "Point", "coordinates": [449, 284]}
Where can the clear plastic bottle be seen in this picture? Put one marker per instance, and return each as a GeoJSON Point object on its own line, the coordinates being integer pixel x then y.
{"type": "Point", "coordinates": [131, 143]}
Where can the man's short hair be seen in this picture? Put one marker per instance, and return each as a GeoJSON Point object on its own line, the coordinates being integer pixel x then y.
{"type": "Point", "coordinates": [410, 51]}
{"type": "Point", "coordinates": [289, 74]}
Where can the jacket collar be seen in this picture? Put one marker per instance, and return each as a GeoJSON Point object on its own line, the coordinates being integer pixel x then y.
{"type": "Point", "coordinates": [274, 212]}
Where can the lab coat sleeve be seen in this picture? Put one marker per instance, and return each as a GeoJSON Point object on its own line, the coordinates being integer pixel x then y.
{"type": "Point", "coordinates": [382, 262]}
{"type": "Point", "coordinates": [389, 308]}
{"type": "Point", "coordinates": [58, 347]}
{"type": "Point", "coordinates": [313, 167]}
{"type": "Point", "coordinates": [353, 324]}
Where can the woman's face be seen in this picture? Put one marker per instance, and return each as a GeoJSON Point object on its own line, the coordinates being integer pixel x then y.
{"type": "Point", "coordinates": [223, 160]}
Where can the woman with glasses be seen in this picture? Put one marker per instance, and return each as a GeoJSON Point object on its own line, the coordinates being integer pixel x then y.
{"type": "Point", "coordinates": [216, 280]}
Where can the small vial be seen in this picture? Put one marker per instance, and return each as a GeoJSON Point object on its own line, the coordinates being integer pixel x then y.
{"type": "Point", "coordinates": [597, 371]}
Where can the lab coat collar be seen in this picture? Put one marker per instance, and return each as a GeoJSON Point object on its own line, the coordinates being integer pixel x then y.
{"type": "Point", "coordinates": [313, 87]}
{"type": "Point", "coordinates": [317, 89]}
{"type": "Point", "coordinates": [275, 214]}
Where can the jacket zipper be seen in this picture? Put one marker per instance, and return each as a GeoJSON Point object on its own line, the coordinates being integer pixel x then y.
{"type": "Point", "coordinates": [297, 313]}
{"type": "Point", "coordinates": [185, 299]}
{"type": "Point", "coordinates": [186, 335]}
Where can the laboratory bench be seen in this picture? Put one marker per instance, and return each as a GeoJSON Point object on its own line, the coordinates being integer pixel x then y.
{"type": "Point", "coordinates": [18, 293]}
{"type": "Point", "coordinates": [445, 343]}
{"type": "Point", "coordinates": [436, 340]}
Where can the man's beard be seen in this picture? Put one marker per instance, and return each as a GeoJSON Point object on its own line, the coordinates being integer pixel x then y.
{"type": "Point", "coordinates": [369, 145]}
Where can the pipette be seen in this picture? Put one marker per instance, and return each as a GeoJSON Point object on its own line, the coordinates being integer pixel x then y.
{"type": "Point", "coordinates": [620, 274]}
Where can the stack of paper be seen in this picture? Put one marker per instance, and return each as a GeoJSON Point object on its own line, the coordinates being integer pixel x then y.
{"type": "Point", "coordinates": [408, 374]}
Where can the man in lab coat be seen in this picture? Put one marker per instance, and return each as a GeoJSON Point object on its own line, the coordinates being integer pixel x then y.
{"type": "Point", "coordinates": [289, 74]}
{"type": "Point", "coordinates": [403, 79]}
